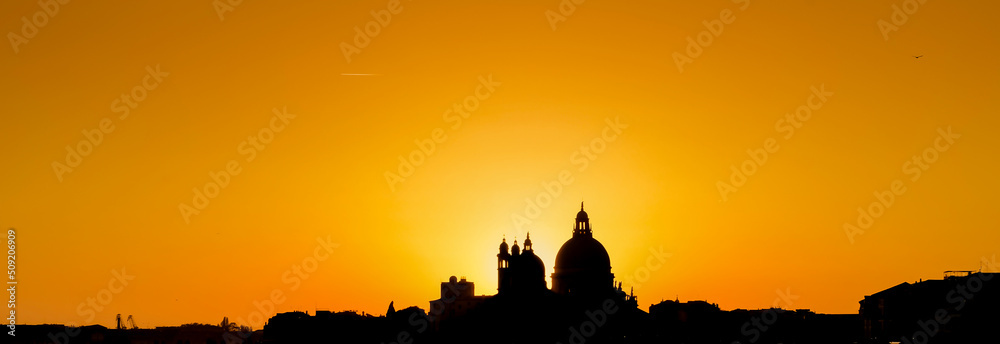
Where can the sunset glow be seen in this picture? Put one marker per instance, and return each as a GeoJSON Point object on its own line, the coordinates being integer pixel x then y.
{"type": "Point", "coordinates": [229, 157]}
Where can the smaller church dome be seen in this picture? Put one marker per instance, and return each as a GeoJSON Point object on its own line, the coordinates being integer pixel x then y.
{"type": "Point", "coordinates": [503, 246]}
{"type": "Point", "coordinates": [515, 250]}
{"type": "Point", "coordinates": [532, 265]}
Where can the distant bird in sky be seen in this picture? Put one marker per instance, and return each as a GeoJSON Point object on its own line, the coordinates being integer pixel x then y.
{"type": "Point", "coordinates": [917, 57]}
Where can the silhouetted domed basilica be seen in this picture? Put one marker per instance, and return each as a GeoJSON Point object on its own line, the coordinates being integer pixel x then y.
{"type": "Point", "coordinates": [583, 267]}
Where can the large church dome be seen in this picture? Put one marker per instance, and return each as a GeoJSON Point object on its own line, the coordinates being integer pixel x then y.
{"type": "Point", "coordinates": [582, 264]}
{"type": "Point", "coordinates": [582, 253]}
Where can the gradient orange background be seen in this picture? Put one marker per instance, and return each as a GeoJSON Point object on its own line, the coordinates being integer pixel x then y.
{"type": "Point", "coordinates": [654, 186]}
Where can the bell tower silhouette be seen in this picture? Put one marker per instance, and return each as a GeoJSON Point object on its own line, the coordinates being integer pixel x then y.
{"type": "Point", "coordinates": [503, 263]}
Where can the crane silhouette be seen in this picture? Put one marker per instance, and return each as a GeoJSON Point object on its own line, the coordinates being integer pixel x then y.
{"type": "Point", "coordinates": [119, 325]}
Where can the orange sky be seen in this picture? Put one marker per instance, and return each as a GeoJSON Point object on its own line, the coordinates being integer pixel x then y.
{"type": "Point", "coordinates": [651, 182]}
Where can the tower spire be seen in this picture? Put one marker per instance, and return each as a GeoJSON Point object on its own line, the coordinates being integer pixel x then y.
{"type": "Point", "coordinates": [582, 225]}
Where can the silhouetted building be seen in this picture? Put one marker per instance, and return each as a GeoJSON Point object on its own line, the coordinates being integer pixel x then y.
{"type": "Point", "coordinates": [703, 322]}
{"type": "Point", "coordinates": [184, 334]}
{"type": "Point", "coordinates": [962, 307]}
{"type": "Point", "coordinates": [344, 327]}
{"type": "Point", "coordinates": [520, 272]}
{"type": "Point", "coordinates": [457, 298]}
{"type": "Point", "coordinates": [583, 266]}
{"type": "Point", "coordinates": [524, 310]}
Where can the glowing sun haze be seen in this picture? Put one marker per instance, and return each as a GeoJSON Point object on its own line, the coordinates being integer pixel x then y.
{"type": "Point", "coordinates": [494, 112]}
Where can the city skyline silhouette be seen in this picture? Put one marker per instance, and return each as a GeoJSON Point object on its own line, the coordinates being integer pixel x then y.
{"type": "Point", "coordinates": [587, 304]}
{"type": "Point", "coordinates": [194, 161]}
